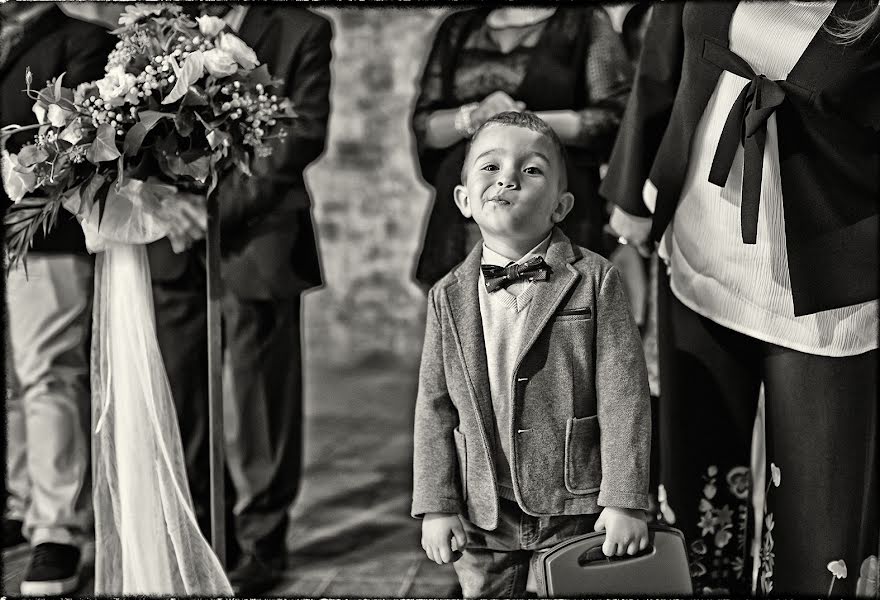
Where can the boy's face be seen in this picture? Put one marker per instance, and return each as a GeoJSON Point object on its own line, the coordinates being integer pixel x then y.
{"type": "Point", "coordinates": [513, 184]}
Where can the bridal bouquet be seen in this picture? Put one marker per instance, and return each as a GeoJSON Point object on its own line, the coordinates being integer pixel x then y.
{"type": "Point", "coordinates": [183, 100]}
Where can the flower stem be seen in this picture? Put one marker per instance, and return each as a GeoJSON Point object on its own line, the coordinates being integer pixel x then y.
{"type": "Point", "coordinates": [13, 129]}
{"type": "Point", "coordinates": [831, 587]}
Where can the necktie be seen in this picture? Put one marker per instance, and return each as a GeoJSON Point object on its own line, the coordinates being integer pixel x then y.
{"type": "Point", "coordinates": [534, 269]}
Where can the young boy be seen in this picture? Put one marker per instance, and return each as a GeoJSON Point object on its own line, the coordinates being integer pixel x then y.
{"type": "Point", "coordinates": [533, 409]}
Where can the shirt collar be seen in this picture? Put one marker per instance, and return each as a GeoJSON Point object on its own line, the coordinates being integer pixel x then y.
{"type": "Point", "coordinates": [235, 17]}
{"type": "Point", "coordinates": [490, 257]}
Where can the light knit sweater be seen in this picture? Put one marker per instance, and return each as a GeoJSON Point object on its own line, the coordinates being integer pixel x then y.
{"type": "Point", "coordinates": [503, 314]}
{"type": "Point", "coordinates": [746, 287]}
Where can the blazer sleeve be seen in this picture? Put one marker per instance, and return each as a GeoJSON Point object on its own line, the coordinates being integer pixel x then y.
{"type": "Point", "coordinates": [648, 109]}
{"type": "Point", "coordinates": [436, 478]}
{"type": "Point", "coordinates": [623, 399]}
{"type": "Point", "coordinates": [307, 85]}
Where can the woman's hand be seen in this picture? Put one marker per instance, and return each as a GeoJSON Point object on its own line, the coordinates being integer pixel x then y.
{"type": "Point", "coordinates": [626, 531]}
{"type": "Point", "coordinates": [494, 103]}
{"type": "Point", "coordinates": [635, 231]}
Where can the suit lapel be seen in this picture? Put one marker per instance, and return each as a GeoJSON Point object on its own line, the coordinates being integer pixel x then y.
{"type": "Point", "coordinates": [254, 27]}
{"type": "Point", "coordinates": [550, 294]}
{"type": "Point", "coordinates": [464, 300]}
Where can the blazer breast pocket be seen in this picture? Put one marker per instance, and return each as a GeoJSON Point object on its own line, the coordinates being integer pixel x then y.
{"type": "Point", "coordinates": [574, 314]}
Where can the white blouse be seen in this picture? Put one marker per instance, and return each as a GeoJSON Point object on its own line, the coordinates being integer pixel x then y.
{"type": "Point", "coordinates": [747, 287]}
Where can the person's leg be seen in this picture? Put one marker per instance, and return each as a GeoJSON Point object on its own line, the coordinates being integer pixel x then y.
{"type": "Point", "coordinates": [18, 483]}
{"type": "Point", "coordinates": [50, 329]}
{"type": "Point", "coordinates": [822, 470]}
{"type": "Point", "coordinates": [263, 408]}
{"type": "Point", "coordinates": [494, 563]}
{"type": "Point", "coordinates": [181, 329]}
{"type": "Point", "coordinates": [709, 391]}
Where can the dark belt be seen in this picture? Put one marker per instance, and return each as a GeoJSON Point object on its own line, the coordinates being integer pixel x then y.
{"type": "Point", "coordinates": [747, 124]}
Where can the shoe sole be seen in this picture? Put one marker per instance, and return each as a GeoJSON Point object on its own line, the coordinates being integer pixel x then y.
{"type": "Point", "coordinates": [55, 587]}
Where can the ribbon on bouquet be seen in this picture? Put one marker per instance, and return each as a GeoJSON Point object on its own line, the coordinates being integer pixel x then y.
{"type": "Point", "coordinates": [146, 533]}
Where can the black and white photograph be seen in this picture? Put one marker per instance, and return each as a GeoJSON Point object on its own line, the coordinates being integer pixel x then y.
{"type": "Point", "coordinates": [394, 299]}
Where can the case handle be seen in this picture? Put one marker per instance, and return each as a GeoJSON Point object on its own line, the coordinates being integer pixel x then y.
{"type": "Point", "coordinates": [594, 556]}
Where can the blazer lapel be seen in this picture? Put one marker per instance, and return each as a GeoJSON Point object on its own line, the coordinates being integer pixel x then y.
{"type": "Point", "coordinates": [559, 256]}
{"type": "Point", "coordinates": [463, 296]}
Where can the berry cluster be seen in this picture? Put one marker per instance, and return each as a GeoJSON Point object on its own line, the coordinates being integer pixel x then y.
{"type": "Point", "coordinates": [256, 111]}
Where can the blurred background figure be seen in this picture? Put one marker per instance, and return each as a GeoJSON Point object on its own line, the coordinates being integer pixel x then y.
{"type": "Point", "coordinates": [48, 481]}
{"type": "Point", "coordinates": [567, 65]}
{"type": "Point", "coordinates": [269, 257]}
{"type": "Point", "coordinates": [771, 278]}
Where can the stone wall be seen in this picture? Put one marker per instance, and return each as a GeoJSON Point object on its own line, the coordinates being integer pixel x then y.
{"type": "Point", "coordinates": [369, 202]}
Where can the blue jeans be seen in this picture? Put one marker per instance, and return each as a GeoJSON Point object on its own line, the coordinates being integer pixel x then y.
{"type": "Point", "coordinates": [495, 564]}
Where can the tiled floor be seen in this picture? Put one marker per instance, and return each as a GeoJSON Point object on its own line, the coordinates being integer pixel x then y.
{"type": "Point", "coordinates": [351, 534]}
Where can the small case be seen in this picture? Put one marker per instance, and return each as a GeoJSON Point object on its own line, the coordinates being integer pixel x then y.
{"type": "Point", "coordinates": [578, 567]}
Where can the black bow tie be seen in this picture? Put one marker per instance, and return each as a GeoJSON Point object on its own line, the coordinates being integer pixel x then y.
{"type": "Point", "coordinates": [534, 269]}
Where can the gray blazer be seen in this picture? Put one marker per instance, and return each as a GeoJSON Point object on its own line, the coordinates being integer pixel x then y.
{"type": "Point", "coordinates": [581, 425]}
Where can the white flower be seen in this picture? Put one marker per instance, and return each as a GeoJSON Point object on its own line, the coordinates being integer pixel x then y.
{"type": "Point", "coordinates": [776, 473]}
{"type": "Point", "coordinates": [116, 86]}
{"type": "Point", "coordinates": [57, 115]}
{"type": "Point", "coordinates": [219, 62]}
{"type": "Point", "coordinates": [210, 26]}
{"type": "Point", "coordinates": [838, 569]}
{"type": "Point", "coordinates": [79, 94]}
{"type": "Point", "coordinates": [40, 111]}
{"type": "Point", "coordinates": [241, 52]}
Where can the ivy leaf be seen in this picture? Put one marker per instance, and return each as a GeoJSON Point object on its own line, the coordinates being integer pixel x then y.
{"type": "Point", "coordinates": [198, 169]}
{"type": "Point", "coordinates": [194, 97]}
{"type": "Point", "coordinates": [218, 138]}
{"type": "Point", "coordinates": [104, 147]}
{"type": "Point", "coordinates": [193, 68]}
{"type": "Point", "coordinates": [17, 180]}
{"type": "Point", "coordinates": [135, 136]}
{"type": "Point", "coordinates": [101, 199]}
{"type": "Point", "coordinates": [261, 75]}
{"type": "Point", "coordinates": [184, 122]}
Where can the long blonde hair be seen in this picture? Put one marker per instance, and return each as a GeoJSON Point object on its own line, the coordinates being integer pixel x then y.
{"type": "Point", "coordinates": [850, 31]}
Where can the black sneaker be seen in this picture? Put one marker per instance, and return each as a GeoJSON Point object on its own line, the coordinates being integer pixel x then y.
{"type": "Point", "coordinates": [254, 575]}
{"type": "Point", "coordinates": [12, 535]}
{"type": "Point", "coordinates": [53, 570]}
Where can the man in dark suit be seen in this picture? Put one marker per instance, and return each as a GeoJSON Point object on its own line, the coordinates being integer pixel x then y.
{"type": "Point", "coordinates": [269, 257]}
{"type": "Point", "coordinates": [48, 483]}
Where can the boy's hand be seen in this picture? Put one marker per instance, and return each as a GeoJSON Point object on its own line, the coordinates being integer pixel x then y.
{"type": "Point", "coordinates": [626, 531]}
{"type": "Point", "coordinates": [438, 530]}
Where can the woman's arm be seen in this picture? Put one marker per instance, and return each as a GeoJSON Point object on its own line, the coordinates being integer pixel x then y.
{"type": "Point", "coordinates": [607, 79]}
{"type": "Point", "coordinates": [648, 110]}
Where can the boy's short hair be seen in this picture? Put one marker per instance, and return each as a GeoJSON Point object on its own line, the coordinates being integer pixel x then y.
{"type": "Point", "coordinates": [526, 120]}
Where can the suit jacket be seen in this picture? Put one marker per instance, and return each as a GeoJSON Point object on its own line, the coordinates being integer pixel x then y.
{"type": "Point", "coordinates": [828, 128]}
{"type": "Point", "coordinates": [581, 426]}
{"type": "Point", "coordinates": [268, 243]}
{"type": "Point", "coordinates": [52, 44]}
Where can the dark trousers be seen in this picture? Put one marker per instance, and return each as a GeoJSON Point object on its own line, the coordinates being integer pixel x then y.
{"type": "Point", "coordinates": [262, 394]}
{"type": "Point", "coordinates": [495, 564]}
{"type": "Point", "coordinates": [821, 435]}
